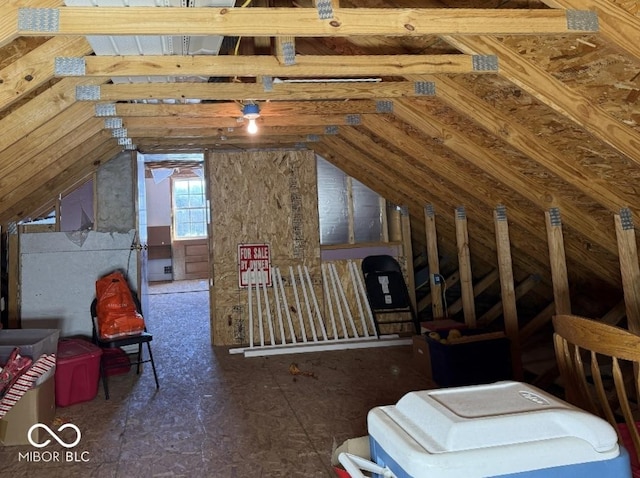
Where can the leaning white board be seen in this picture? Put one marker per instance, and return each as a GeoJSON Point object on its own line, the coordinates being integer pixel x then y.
{"type": "Point", "coordinates": [58, 273]}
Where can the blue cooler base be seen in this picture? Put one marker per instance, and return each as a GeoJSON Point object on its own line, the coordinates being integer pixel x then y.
{"type": "Point", "coordinates": [619, 467]}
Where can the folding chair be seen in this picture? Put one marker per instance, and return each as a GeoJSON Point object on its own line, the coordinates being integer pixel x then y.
{"type": "Point", "coordinates": [387, 291]}
{"type": "Point", "coordinates": [136, 358]}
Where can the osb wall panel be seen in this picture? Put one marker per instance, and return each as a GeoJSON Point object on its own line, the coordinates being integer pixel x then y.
{"type": "Point", "coordinates": [259, 197]}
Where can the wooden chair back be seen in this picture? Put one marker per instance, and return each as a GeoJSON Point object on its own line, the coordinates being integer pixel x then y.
{"type": "Point", "coordinates": [598, 364]}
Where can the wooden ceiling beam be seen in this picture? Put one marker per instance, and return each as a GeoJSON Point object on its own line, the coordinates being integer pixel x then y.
{"type": "Point", "coordinates": [80, 162]}
{"type": "Point", "coordinates": [617, 24]}
{"type": "Point", "coordinates": [555, 94]}
{"type": "Point", "coordinates": [222, 110]}
{"type": "Point", "coordinates": [24, 156]}
{"type": "Point", "coordinates": [37, 67]}
{"type": "Point", "coordinates": [481, 191]}
{"type": "Point", "coordinates": [239, 122]}
{"type": "Point", "coordinates": [483, 158]}
{"type": "Point", "coordinates": [211, 134]}
{"type": "Point", "coordinates": [41, 109]}
{"type": "Point", "coordinates": [24, 194]}
{"type": "Point", "coordinates": [305, 66]}
{"type": "Point", "coordinates": [297, 22]}
{"type": "Point", "coordinates": [428, 189]}
{"type": "Point", "coordinates": [527, 142]}
{"type": "Point", "coordinates": [9, 17]}
{"type": "Point", "coordinates": [255, 91]}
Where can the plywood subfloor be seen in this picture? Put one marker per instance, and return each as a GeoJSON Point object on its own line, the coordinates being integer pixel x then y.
{"type": "Point", "coordinates": [223, 415]}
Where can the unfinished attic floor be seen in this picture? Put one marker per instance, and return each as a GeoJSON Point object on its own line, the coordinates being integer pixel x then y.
{"type": "Point", "coordinates": [219, 414]}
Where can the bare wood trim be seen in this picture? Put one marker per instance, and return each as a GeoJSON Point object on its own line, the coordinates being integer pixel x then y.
{"type": "Point", "coordinates": [305, 22]}
{"type": "Point", "coordinates": [558, 264]}
{"type": "Point", "coordinates": [261, 65]}
{"type": "Point", "coordinates": [630, 272]}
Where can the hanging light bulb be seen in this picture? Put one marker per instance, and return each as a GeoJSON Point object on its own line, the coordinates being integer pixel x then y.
{"type": "Point", "coordinates": [252, 127]}
{"type": "Point", "coordinates": [251, 112]}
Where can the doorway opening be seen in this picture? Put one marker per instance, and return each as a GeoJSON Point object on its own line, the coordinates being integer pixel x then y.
{"type": "Point", "coordinates": [177, 216]}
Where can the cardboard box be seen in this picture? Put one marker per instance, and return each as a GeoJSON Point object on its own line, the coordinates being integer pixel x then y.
{"type": "Point", "coordinates": [38, 405]}
{"type": "Point", "coordinates": [32, 342]}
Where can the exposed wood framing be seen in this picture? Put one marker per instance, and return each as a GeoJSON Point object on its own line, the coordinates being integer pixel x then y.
{"type": "Point", "coordinates": [300, 22]}
{"type": "Point", "coordinates": [478, 289]}
{"type": "Point", "coordinates": [464, 266]}
{"type": "Point", "coordinates": [555, 94]}
{"type": "Point", "coordinates": [498, 308]}
{"type": "Point", "coordinates": [332, 66]}
{"type": "Point", "coordinates": [558, 263]}
{"type": "Point", "coordinates": [434, 262]}
{"type": "Point", "coordinates": [629, 267]}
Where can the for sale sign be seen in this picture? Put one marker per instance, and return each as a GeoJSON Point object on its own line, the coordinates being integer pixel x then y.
{"type": "Point", "coordinates": [254, 264]}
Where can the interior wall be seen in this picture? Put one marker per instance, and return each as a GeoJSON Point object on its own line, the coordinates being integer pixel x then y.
{"type": "Point", "coordinates": [115, 200]}
{"type": "Point", "coordinates": [259, 197]}
{"type": "Point", "coordinates": [58, 270]}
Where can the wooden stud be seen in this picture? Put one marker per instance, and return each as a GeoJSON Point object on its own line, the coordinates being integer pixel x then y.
{"type": "Point", "coordinates": [405, 221]}
{"type": "Point", "coordinates": [434, 262]}
{"type": "Point", "coordinates": [464, 266]}
{"type": "Point", "coordinates": [628, 253]}
{"type": "Point", "coordinates": [558, 262]}
{"type": "Point", "coordinates": [507, 292]}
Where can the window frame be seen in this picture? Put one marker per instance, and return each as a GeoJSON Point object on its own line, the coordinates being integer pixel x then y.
{"type": "Point", "coordinates": [175, 208]}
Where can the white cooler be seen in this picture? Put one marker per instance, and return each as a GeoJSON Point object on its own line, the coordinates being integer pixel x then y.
{"type": "Point", "coordinates": [503, 429]}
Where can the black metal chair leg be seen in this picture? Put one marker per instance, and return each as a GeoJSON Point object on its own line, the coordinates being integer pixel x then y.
{"type": "Point", "coordinates": [153, 366]}
{"type": "Point", "coordinates": [103, 376]}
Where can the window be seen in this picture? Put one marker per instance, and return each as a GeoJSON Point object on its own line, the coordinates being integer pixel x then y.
{"type": "Point", "coordinates": [349, 212]}
{"type": "Point", "coordinates": [189, 208]}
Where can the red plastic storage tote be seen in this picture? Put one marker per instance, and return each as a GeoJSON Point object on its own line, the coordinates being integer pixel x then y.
{"type": "Point", "coordinates": [77, 371]}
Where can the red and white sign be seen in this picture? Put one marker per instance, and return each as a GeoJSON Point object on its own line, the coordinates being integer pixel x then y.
{"type": "Point", "coordinates": [254, 263]}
